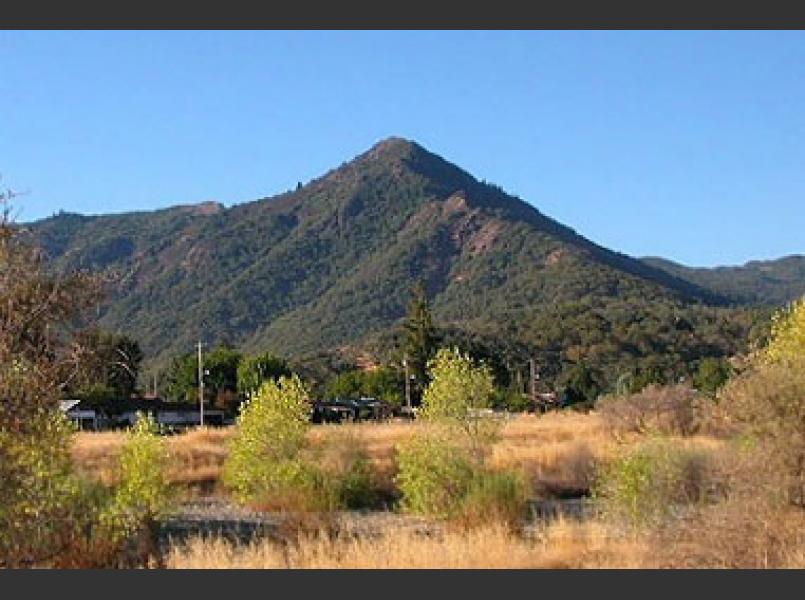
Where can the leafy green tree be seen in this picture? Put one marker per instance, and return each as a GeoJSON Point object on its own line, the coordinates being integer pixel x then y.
{"type": "Point", "coordinates": [383, 383]}
{"type": "Point", "coordinates": [711, 374]}
{"type": "Point", "coordinates": [348, 384]}
{"type": "Point", "coordinates": [109, 365]}
{"type": "Point", "coordinates": [253, 371]}
{"type": "Point", "coordinates": [458, 389]}
{"type": "Point", "coordinates": [220, 377]}
{"type": "Point", "coordinates": [419, 339]}
{"type": "Point", "coordinates": [511, 399]}
{"type": "Point", "coordinates": [580, 383]}
{"type": "Point", "coordinates": [265, 454]}
{"type": "Point", "coordinates": [221, 370]}
{"type": "Point", "coordinates": [182, 379]}
{"type": "Point", "coordinates": [787, 340]}
{"type": "Point", "coordinates": [143, 493]}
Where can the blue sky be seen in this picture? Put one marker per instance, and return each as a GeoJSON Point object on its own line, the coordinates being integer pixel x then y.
{"type": "Point", "coordinates": [688, 145]}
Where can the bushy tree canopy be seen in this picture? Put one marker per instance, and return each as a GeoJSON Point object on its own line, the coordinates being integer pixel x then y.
{"type": "Point", "coordinates": [270, 434]}
{"type": "Point", "coordinates": [788, 334]}
{"type": "Point", "coordinates": [383, 383]}
{"type": "Point", "coordinates": [253, 371]}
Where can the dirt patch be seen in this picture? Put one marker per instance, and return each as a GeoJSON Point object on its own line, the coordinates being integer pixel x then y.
{"type": "Point", "coordinates": [454, 204]}
{"type": "Point", "coordinates": [426, 214]}
{"type": "Point", "coordinates": [554, 257]}
{"type": "Point", "coordinates": [218, 517]}
{"type": "Point", "coordinates": [484, 239]}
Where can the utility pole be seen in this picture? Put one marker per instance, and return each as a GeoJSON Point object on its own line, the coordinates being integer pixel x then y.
{"type": "Point", "coordinates": [533, 379]}
{"type": "Point", "coordinates": [200, 387]}
{"type": "Point", "coordinates": [407, 386]}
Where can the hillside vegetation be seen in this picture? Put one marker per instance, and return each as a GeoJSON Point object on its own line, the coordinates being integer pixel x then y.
{"type": "Point", "coordinates": [763, 282]}
{"type": "Point", "coordinates": [327, 270]}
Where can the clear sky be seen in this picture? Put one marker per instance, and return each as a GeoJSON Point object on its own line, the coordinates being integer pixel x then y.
{"type": "Point", "coordinates": [688, 145]}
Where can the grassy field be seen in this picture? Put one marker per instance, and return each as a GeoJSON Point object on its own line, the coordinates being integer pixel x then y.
{"type": "Point", "coordinates": [558, 452]}
{"type": "Point", "coordinates": [561, 544]}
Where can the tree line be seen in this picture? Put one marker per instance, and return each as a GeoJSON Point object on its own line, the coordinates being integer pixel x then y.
{"type": "Point", "coordinates": [110, 366]}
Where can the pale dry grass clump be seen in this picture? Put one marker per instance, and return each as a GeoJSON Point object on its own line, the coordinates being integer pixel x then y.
{"type": "Point", "coordinates": [96, 454]}
{"type": "Point", "coordinates": [196, 456]}
{"type": "Point", "coordinates": [554, 427]}
{"type": "Point", "coordinates": [752, 524]}
{"type": "Point", "coordinates": [560, 545]}
{"type": "Point", "coordinates": [740, 533]}
{"type": "Point", "coordinates": [592, 544]}
{"type": "Point", "coordinates": [559, 452]}
{"type": "Point", "coordinates": [663, 409]}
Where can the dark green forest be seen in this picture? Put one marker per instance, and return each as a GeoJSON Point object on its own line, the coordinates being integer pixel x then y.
{"type": "Point", "coordinates": [759, 282]}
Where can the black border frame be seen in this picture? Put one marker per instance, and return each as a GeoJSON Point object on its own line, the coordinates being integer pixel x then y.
{"type": "Point", "coordinates": [399, 15]}
{"type": "Point", "coordinates": [410, 14]}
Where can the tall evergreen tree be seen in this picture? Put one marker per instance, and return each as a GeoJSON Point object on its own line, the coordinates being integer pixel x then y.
{"type": "Point", "coordinates": [419, 340]}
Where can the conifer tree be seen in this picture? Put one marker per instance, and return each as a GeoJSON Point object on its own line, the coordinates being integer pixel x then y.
{"type": "Point", "coordinates": [419, 341]}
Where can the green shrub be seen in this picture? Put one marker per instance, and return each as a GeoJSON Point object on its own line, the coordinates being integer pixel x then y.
{"type": "Point", "coordinates": [296, 485]}
{"type": "Point", "coordinates": [651, 482]}
{"type": "Point", "coordinates": [143, 493]}
{"type": "Point", "coordinates": [499, 497]}
{"type": "Point", "coordinates": [270, 434]}
{"type": "Point", "coordinates": [442, 472]}
{"type": "Point", "coordinates": [356, 486]}
{"type": "Point", "coordinates": [267, 466]}
{"type": "Point", "coordinates": [38, 491]}
{"type": "Point", "coordinates": [434, 476]}
{"type": "Point", "coordinates": [352, 471]}
{"type": "Point", "coordinates": [440, 479]}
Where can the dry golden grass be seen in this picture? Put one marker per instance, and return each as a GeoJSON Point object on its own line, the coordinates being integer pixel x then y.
{"type": "Point", "coordinates": [562, 544]}
{"type": "Point", "coordinates": [95, 454]}
{"type": "Point", "coordinates": [378, 440]}
{"type": "Point", "coordinates": [741, 533]}
{"type": "Point", "coordinates": [557, 451]}
{"type": "Point", "coordinates": [554, 446]}
{"type": "Point", "coordinates": [196, 456]}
